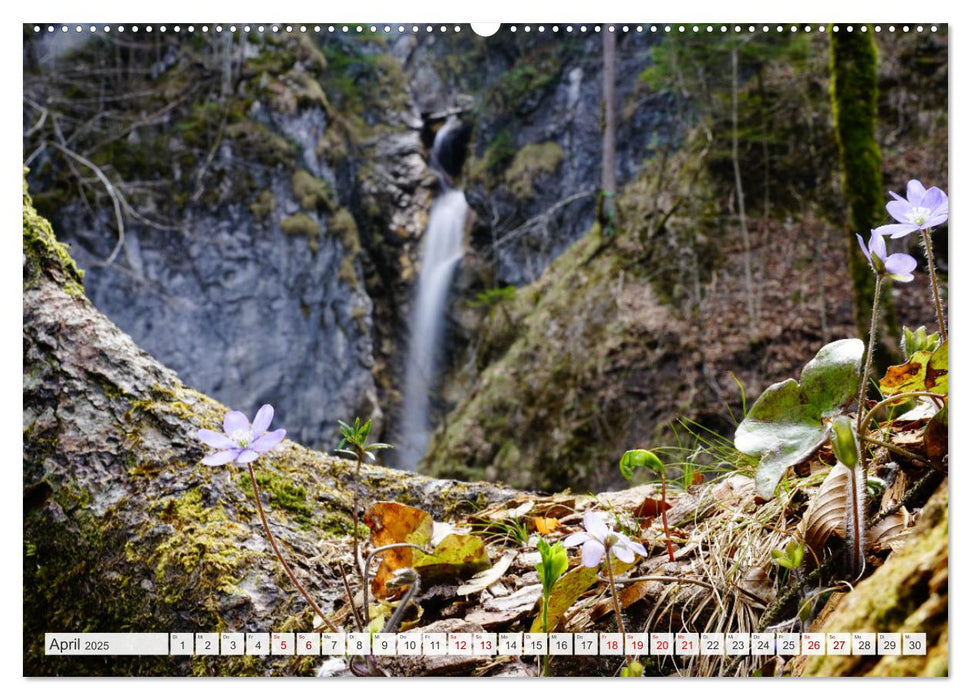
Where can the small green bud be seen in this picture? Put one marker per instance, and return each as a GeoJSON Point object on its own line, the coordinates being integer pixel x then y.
{"type": "Point", "coordinates": [915, 341]}
{"type": "Point", "coordinates": [844, 442]}
{"type": "Point", "coordinates": [634, 670]}
{"type": "Point", "coordinates": [639, 458]}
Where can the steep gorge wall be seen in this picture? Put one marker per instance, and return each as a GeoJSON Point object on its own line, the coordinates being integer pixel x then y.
{"type": "Point", "coordinates": [291, 205]}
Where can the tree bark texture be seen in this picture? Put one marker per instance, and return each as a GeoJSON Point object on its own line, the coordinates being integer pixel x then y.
{"type": "Point", "coordinates": [608, 176]}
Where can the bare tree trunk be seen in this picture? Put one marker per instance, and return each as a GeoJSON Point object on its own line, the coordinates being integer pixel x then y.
{"type": "Point", "coordinates": [740, 199]}
{"type": "Point", "coordinates": [608, 176]}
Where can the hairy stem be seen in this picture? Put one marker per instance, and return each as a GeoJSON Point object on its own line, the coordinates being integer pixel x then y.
{"type": "Point", "coordinates": [929, 250]}
{"type": "Point", "coordinates": [894, 399]}
{"type": "Point", "coordinates": [350, 598]}
{"type": "Point", "coordinates": [613, 594]}
{"type": "Point", "coordinates": [899, 450]}
{"type": "Point", "coordinates": [367, 568]}
{"type": "Point", "coordinates": [357, 551]}
{"type": "Point", "coordinates": [276, 550]}
{"type": "Point", "coordinates": [867, 366]}
{"type": "Point", "coordinates": [664, 518]}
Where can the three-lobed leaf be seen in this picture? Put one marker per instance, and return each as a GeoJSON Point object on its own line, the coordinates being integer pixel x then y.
{"type": "Point", "coordinates": [789, 422]}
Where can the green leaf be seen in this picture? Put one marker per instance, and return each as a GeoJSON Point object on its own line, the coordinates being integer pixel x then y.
{"type": "Point", "coordinates": [633, 459]}
{"type": "Point", "coordinates": [568, 589]}
{"type": "Point", "coordinates": [786, 424]}
{"type": "Point", "coordinates": [791, 558]}
{"type": "Point", "coordinates": [553, 563]}
{"type": "Point", "coordinates": [565, 593]}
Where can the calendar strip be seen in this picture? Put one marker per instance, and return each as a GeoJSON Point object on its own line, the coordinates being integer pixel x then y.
{"type": "Point", "coordinates": [486, 644]}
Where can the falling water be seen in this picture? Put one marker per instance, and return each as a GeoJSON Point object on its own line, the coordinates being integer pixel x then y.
{"type": "Point", "coordinates": [441, 252]}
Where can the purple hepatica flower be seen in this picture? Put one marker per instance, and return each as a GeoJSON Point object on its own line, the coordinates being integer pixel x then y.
{"type": "Point", "coordinates": [242, 442]}
{"type": "Point", "coordinates": [923, 209]}
{"type": "Point", "coordinates": [898, 266]}
{"type": "Point", "coordinates": [598, 538]}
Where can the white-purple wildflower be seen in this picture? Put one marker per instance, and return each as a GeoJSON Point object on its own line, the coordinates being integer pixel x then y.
{"type": "Point", "coordinates": [921, 210]}
{"type": "Point", "coordinates": [598, 538]}
{"type": "Point", "coordinates": [898, 266]}
{"type": "Point", "coordinates": [241, 442]}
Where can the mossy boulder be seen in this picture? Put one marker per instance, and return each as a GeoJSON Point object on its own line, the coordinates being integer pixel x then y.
{"type": "Point", "coordinates": [126, 530]}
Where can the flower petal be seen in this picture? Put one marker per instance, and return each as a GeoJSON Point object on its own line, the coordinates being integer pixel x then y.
{"type": "Point", "coordinates": [214, 439]}
{"type": "Point", "coordinates": [576, 538]}
{"type": "Point", "coordinates": [899, 210]}
{"type": "Point", "coordinates": [878, 246]}
{"type": "Point", "coordinates": [900, 265]}
{"type": "Point", "coordinates": [247, 455]}
{"type": "Point", "coordinates": [935, 221]}
{"type": "Point", "coordinates": [593, 553]}
{"type": "Point", "coordinates": [866, 251]}
{"type": "Point", "coordinates": [268, 441]}
{"type": "Point", "coordinates": [234, 421]}
{"type": "Point", "coordinates": [262, 420]}
{"type": "Point", "coordinates": [623, 552]}
{"type": "Point", "coordinates": [631, 545]}
{"type": "Point", "coordinates": [224, 457]}
{"type": "Point", "coordinates": [594, 523]}
{"type": "Point", "coordinates": [934, 199]}
{"type": "Point", "coordinates": [915, 192]}
{"type": "Point", "coordinates": [897, 197]}
{"type": "Point", "coordinates": [895, 230]}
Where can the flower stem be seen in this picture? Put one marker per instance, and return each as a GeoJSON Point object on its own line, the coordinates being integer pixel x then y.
{"type": "Point", "coordinates": [357, 551]}
{"type": "Point", "coordinates": [613, 593]}
{"type": "Point", "coordinates": [929, 250]}
{"type": "Point", "coordinates": [900, 397]}
{"type": "Point", "coordinates": [867, 366]}
{"type": "Point", "coordinates": [664, 518]}
{"type": "Point", "coordinates": [279, 556]}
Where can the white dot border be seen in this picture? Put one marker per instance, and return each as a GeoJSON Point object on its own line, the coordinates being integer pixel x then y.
{"type": "Point", "coordinates": [579, 28]}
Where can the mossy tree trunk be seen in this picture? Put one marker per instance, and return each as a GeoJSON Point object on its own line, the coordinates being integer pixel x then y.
{"type": "Point", "coordinates": [853, 87]}
{"type": "Point", "coordinates": [909, 593]}
{"type": "Point", "coordinates": [125, 530]}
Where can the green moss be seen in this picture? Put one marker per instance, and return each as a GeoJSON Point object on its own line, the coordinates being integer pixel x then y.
{"type": "Point", "coordinates": [529, 77]}
{"type": "Point", "coordinates": [204, 549]}
{"type": "Point", "coordinates": [342, 223]}
{"type": "Point", "coordinates": [530, 163]}
{"type": "Point", "coordinates": [263, 205]}
{"type": "Point", "coordinates": [312, 193]}
{"type": "Point", "coordinates": [44, 254]}
{"type": "Point", "coordinates": [302, 225]}
{"type": "Point", "coordinates": [283, 493]}
{"type": "Point", "coordinates": [262, 144]}
{"type": "Point", "coordinates": [533, 414]}
{"type": "Point", "coordinates": [908, 593]}
{"type": "Point", "coordinates": [498, 155]}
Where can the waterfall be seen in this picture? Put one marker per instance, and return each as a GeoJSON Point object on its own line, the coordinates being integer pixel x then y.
{"type": "Point", "coordinates": [441, 252]}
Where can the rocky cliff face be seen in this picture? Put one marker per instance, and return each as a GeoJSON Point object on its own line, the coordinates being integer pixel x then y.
{"type": "Point", "coordinates": [292, 207]}
{"type": "Point", "coordinates": [276, 188]}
